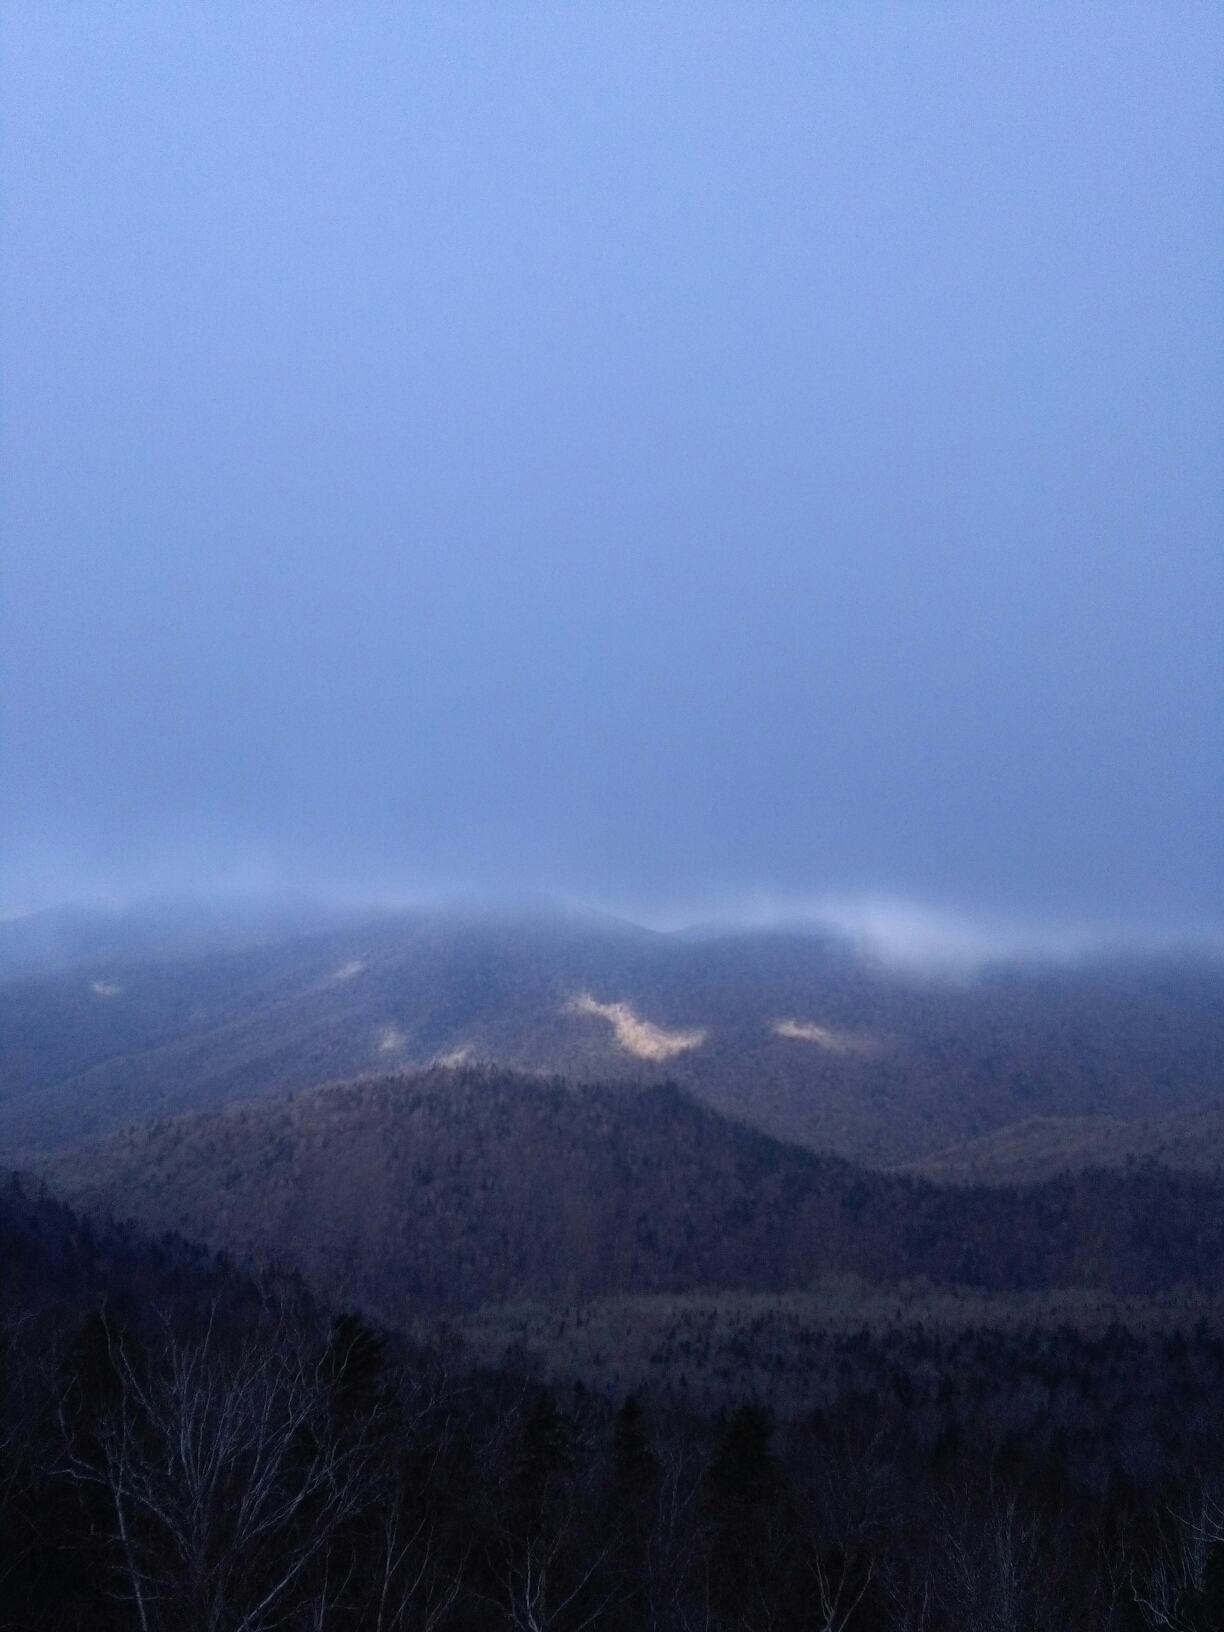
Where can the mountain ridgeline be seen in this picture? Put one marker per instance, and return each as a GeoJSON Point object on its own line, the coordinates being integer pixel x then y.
{"type": "Point", "coordinates": [455, 1188]}
{"type": "Point", "coordinates": [795, 1034]}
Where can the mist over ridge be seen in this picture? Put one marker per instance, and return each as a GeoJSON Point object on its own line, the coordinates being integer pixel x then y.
{"type": "Point", "coordinates": [676, 459]}
{"type": "Point", "coordinates": [904, 936]}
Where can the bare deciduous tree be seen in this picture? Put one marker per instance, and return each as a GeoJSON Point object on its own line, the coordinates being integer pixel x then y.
{"type": "Point", "coordinates": [1170, 1585]}
{"type": "Point", "coordinates": [839, 1589]}
{"type": "Point", "coordinates": [994, 1578]}
{"type": "Point", "coordinates": [675, 1547]}
{"type": "Point", "coordinates": [225, 1475]}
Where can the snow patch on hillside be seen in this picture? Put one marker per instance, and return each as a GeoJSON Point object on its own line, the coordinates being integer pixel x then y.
{"type": "Point", "coordinates": [637, 1036]}
{"type": "Point", "coordinates": [348, 971]}
{"type": "Point", "coordinates": [455, 1058]}
{"type": "Point", "coordinates": [807, 1031]}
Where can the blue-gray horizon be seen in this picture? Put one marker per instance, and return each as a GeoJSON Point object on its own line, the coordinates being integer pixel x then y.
{"type": "Point", "coordinates": [749, 466]}
{"type": "Point", "coordinates": [914, 936]}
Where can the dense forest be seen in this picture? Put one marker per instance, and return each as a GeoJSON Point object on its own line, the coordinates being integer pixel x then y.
{"type": "Point", "coordinates": [183, 1448]}
{"type": "Point", "coordinates": [451, 1189]}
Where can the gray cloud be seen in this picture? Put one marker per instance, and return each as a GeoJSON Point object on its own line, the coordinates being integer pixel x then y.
{"type": "Point", "coordinates": [669, 457]}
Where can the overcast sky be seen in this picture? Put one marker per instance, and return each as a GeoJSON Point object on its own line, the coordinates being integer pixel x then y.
{"type": "Point", "coordinates": [668, 455]}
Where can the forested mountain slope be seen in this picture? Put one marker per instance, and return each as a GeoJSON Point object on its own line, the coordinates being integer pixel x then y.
{"type": "Point", "coordinates": [793, 1033]}
{"type": "Point", "coordinates": [1041, 1147]}
{"type": "Point", "coordinates": [458, 1188]}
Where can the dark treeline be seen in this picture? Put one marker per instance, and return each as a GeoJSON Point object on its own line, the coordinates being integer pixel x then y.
{"type": "Point", "coordinates": [179, 1448]}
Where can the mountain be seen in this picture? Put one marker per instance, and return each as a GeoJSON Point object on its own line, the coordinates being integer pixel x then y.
{"type": "Point", "coordinates": [796, 1034]}
{"type": "Point", "coordinates": [1041, 1147]}
{"type": "Point", "coordinates": [59, 939]}
{"type": "Point", "coordinates": [52, 1256]}
{"type": "Point", "coordinates": [453, 1189]}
